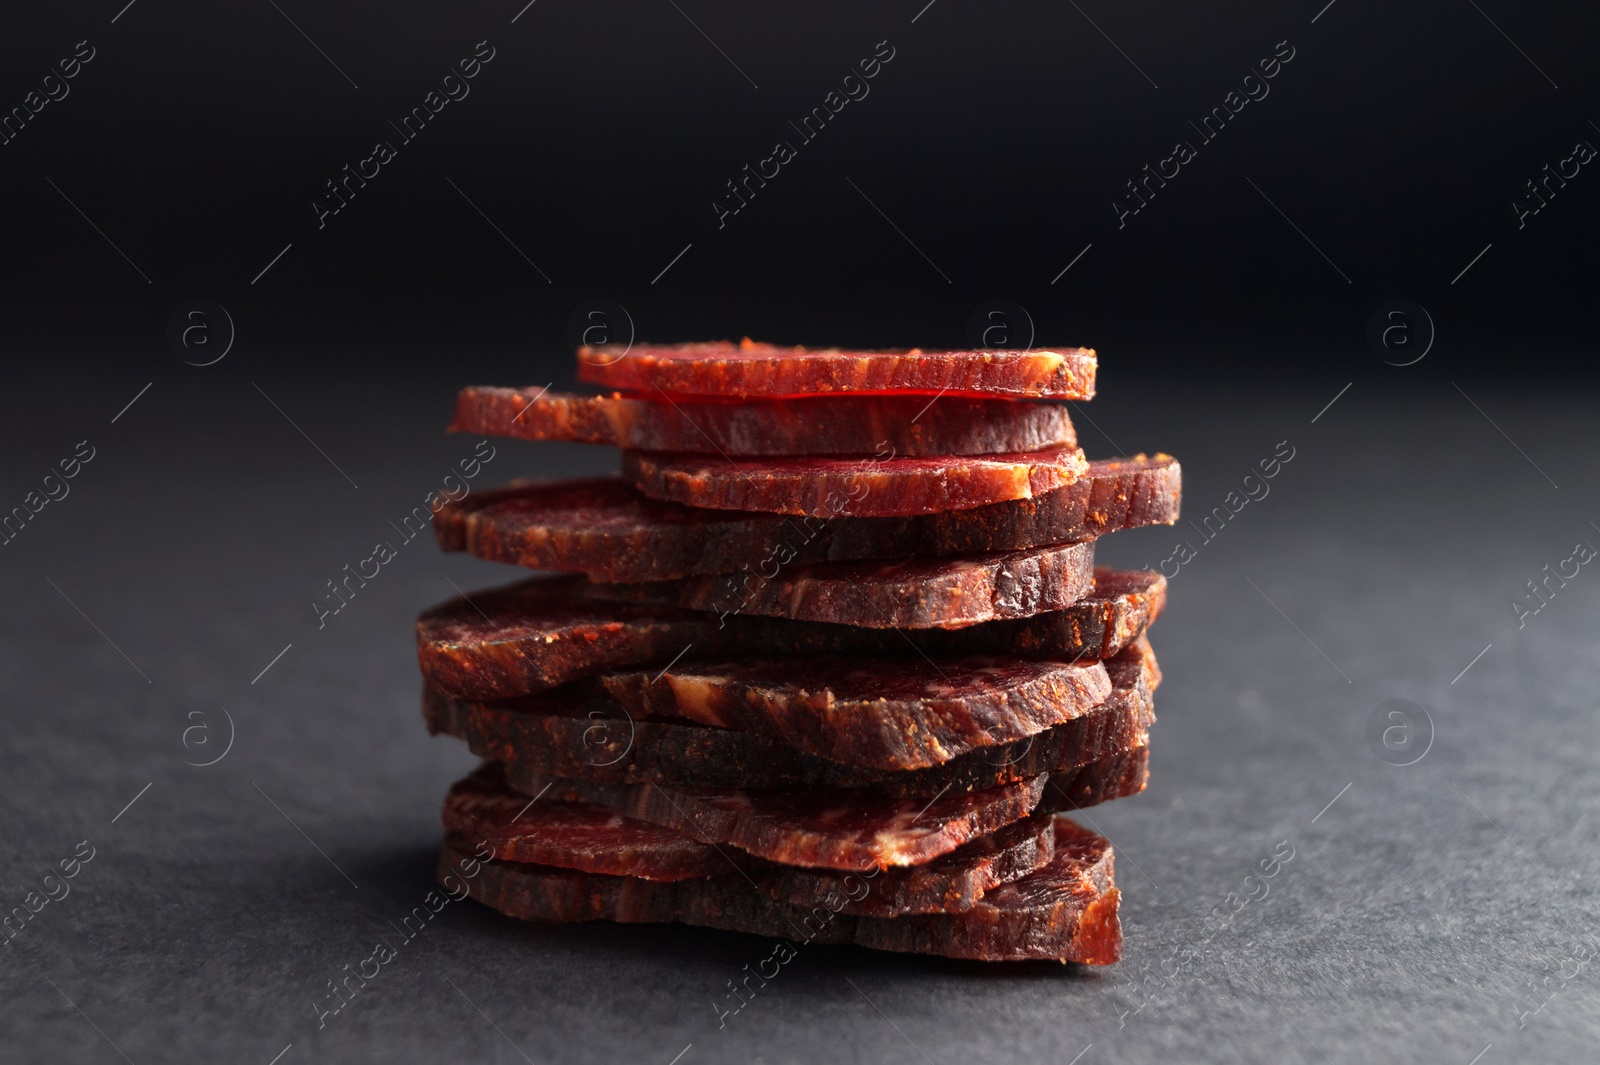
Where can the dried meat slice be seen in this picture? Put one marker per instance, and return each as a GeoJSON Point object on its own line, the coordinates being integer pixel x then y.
{"type": "Point", "coordinates": [1065, 911]}
{"type": "Point", "coordinates": [573, 835]}
{"type": "Point", "coordinates": [1137, 658]}
{"type": "Point", "coordinates": [537, 634]}
{"type": "Point", "coordinates": [829, 829]}
{"type": "Point", "coordinates": [1118, 611]}
{"type": "Point", "coordinates": [945, 593]}
{"type": "Point", "coordinates": [606, 528]}
{"type": "Point", "coordinates": [767, 370]}
{"type": "Point", "coordinates": [824, 425]}
{"type": "Point", "coordinates": [891, 714]}
{"type": "Point", "coordinates": [1114, 777]}
{"type": "Point", "coordinates": [571, 733]}
{"type": "Point", "coordinates": [949, 884]}
{"type": "Point", "coordinates": [597, 839]}
{"type": "Point", "coordinates": [822, 487]}
{"type": "Point", "coordinates": [531, 636]}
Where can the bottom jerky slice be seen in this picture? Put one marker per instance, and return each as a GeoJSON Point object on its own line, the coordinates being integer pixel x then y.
{"type": "Point", "coordinates": [834, 829]}
{"type": "Point", "coordinates": [597, 839]}
{"type": "Point", "coordinates": [571, 733]}
{"type": "Point", "coordinates": [1066, 911]}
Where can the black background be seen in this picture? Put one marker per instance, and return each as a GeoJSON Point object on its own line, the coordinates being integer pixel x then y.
{"type": "Point", "coordinates": [597, 139]}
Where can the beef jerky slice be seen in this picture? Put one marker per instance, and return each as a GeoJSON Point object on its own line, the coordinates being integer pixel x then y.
{"type": "Point", "coordinates": [946, 593]}
{"type": "Point", "coordinates": [1066, 911]}
{"type": "Point", "coordinates": [1114, 777]}
{"type": "Point", "coordinates": [537, 634]}
{"type": "Point", "coordinates": [530, 636]}
{"type": "Point", "coordinates": [825, 425]}
{"type": "Point", "coordinates": [823, 487]}
{"type": "Point", "coordinates": [829, 829]}
{"type": "Point", "coordinates": [569, 733]}
{"type": "Point", "coordinates": [573, 835]}
{"type": "Point", "coordinates": [600, 840]}
{"type": "Point", "coordinates": [606, 528]}
{"type": "Point", "coordinates": [766, 370]}
{"type": "Point", "coordinates": [1118, 607]}
{"type": "Point", "coordinates": [948, 884]}
{"type": "Point", "coordinates": [565, 733]}
{"type": "Point", "coordinates": [894, 713]}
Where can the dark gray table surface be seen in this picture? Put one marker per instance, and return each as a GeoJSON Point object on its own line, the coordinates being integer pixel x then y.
{"type": "Point", "coordinates": [1440, 911]}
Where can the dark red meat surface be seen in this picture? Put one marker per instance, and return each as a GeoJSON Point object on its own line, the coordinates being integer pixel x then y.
{"type": "Point", "coordinates": [946, 593]}
{"type": "Point", "coordinates": [606, 528]}
{"type": "Point", "coordinates": [849, 829]}
{"type": "Point", "coordinates": [824, 425]}
{"type": "Point", "coordinates": [893, 713]}
{"type": "Point", "coordinates": [571, 733]}
{"type": "Point", "coordinates": [749, 369]}
{"type": "Point", "coordinates": [823, 487]}
{"type": "Point", "coordinates": [573, 835]}
{"type": "Point", "coordinates": [1065, 911]}
{"type": "Point", "coordinates": [596, 839]}
{"type": "Point", "coordinates": [948, 884]}
{"type": "Point", "coordinates": [542, 632]}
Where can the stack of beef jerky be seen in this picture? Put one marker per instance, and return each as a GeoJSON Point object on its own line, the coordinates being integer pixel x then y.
{"type": "Point", "coordinates": [825, 663]}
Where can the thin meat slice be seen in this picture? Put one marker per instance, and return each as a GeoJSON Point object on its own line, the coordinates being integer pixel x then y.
{"type": "Point", "coordinates": [531, 636]}
{"type": "Point", "coordinates": [1118, 610]}
{"type": "Point", "coordinates": [1114, 777]}
{"type": "Point", "coordinates": [950, 884]}
{"type": "Point", "coordinates": [892, 714]}
{"type": "Point", "coordinates": [538, 634]}
{"type": "Point", "coordinates": [597, 839]}
{"type": "Point", "coordinates": [946, 593]}
{"type": "Point", "coordinates": [606, 528]}
{"type": "Point", "coordinates": [1065, 911]}
{"type": "Point", "coordinates": [829, 829]}
{"type": "Point", "coordinates": [887, 486]}
{"type": "Point", "coordinates": [767, 370]}
{"type": "Point", "coordinates": [824, 425]}
{"type": "Point", "coordinates": [572, 733]}
{"type": "Point", "coordinates": [573, 835]}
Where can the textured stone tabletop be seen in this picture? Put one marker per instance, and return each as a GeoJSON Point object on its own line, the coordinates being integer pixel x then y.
{"type": "Point", "coordinates": [1442, 910]}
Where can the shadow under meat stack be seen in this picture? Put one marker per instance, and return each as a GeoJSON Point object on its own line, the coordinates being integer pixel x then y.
{"type": "Point", "coordinates": [826, 663]}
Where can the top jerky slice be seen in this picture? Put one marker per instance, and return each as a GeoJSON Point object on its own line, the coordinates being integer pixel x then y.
{"type": "Point", "coordinates": [820, 425]}
{"type": "Point", "coordinates": [592, 838]}
{"type": "Point", "coordinates": [607, 529]}
{"type": "Point", "coordinates": [749, 369]}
